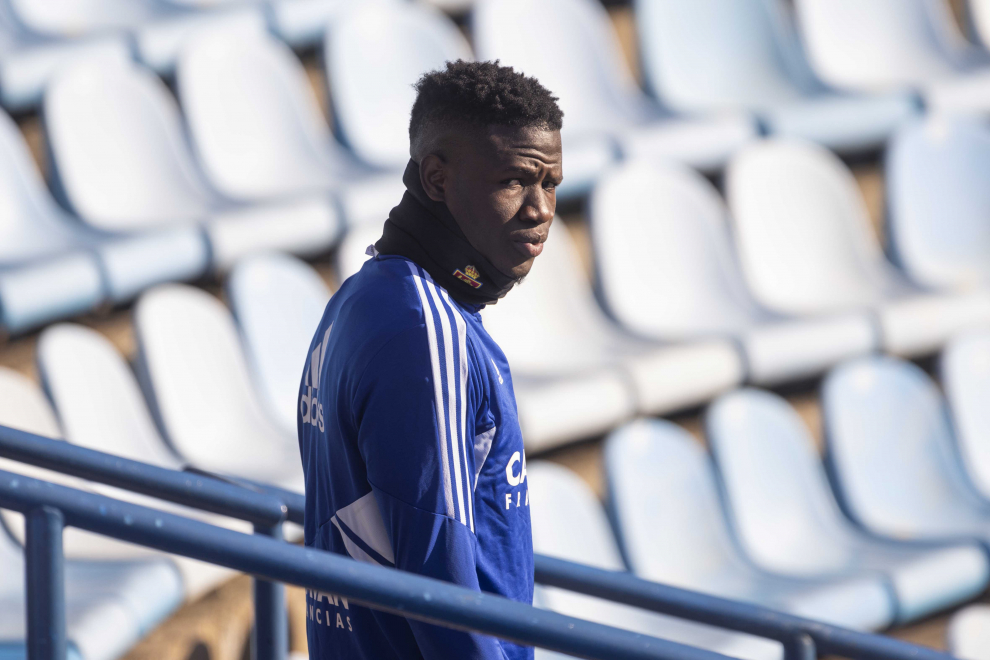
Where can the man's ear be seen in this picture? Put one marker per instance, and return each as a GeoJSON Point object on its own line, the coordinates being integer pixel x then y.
{"type": "Point", "coordinates": [433, 177]}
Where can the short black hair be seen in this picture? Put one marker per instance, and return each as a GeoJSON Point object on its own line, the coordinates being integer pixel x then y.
{"type": "Point", "coordinates": [482, 94]}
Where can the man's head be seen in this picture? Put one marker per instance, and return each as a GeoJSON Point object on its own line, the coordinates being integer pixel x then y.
{"type": "Point", "coordinates": [488, 143]}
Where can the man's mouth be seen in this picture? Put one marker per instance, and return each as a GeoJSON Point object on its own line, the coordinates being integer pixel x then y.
{"type": "Point", "coordinates": [530, 245]}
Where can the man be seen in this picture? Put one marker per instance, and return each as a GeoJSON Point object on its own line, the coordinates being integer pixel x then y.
{"type": "Point", "coordinates": [408, 429]}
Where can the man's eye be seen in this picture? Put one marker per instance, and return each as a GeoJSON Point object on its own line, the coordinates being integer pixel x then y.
{"type": "Point", "coordinates": [512, 182]}
{"type": "Point", "coordinates": [550, 185]}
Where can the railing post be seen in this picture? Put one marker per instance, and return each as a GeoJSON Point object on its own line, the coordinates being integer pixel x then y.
{"type": "Point", "coordinates": [45, 578]}
{"type": "Point", "coordinates": [801, 647]}
{"type": "Point", "coordinates": [270, 641]}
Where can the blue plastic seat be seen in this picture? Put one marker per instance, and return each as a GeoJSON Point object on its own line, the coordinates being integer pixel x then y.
{"type": "Point", "coordinates": [278, 302]}
{"type": "Point", "coordinates": [712, 55]}
{"type": "Point", "coordinates": [884, 45]}
{"type": "Point", "coordinates": [891, 453]}
{"type": "Point", "coordinates": [788, 520]}
{"type": "Point", "coordinates": [56, 266]}
{"type": "Point", "coordinates": [570, 523]}
{"type": "Point", "coordinates": [574, 52]}
{"type": "Point", "coordinates": [965, 375]}
{"type": "Point", "coordinates": [259, 131]}
{"type": "Point", "coordinates": [672, 527]}
{"type": "Point", "coordinates": [110, 606]}
{"type": "Point", "coordinates": [806, 247]}
{"type": "Point", "coordinates": [120, 159]}
{"type": "Point", "coordinates": [680, 279]}
{"type": "Point", "coordinates": [400, 42]}
{"type": "Point", "coordinates": [938, 203]}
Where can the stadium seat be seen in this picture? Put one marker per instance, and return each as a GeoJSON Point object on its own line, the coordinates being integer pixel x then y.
{"type": "Point", "coordinates": [968, 633]}
{"type": "Point", "coordinates": [399, 42]}
{"type": "Point", "coordinates": [121, 161]}
{"type": "Point", "coordinates": [664, 501]}
{"type": "Point", "coordinates": [883, 45]}
{"type": "Point", "coordinates": [278, 302]}
{"type": "Point", "coordinates": [56, 266]}
{"type": "Point", "coordinates": [192, 367]}
{"type": "Point", "coordinates": [730, 55]}
{"type": "Point", "coordinates": [569, 522]}
{"type": "Point", "coordinates": [938, 203]}
{"type": "Point", "coordinates": [28, 61]}
{"type": "Point", "coordinates": [110, 605]}
{"type": "Point", "coordinates": [554, 333]}
{"type": "Point", "coordinates": [965, 375]}
{"type": "Point", "coordinates": [573, 50]}
{"type": "Point", "coordinates": [100, 406]}
{"type": "Point", "coordinates": [679, 279]}
{"type": "Point", "coordinates": [353, 250]}
{"type": "Point", "coordinates": [803, 235]}
{"type": "Point", "coordinates": [978, 17]}
{"type": "Point", "coordinates": [891, 453]}
{"type": "Point", "coordinates": [259, 131]}
{"type": "Point", "coordinates": [788, 521]}
{"type": "Point", "coordinates": [155, 28]}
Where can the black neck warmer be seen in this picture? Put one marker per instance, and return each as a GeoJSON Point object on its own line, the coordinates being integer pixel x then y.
{"type": "Point", "coordinates": [425, 232]}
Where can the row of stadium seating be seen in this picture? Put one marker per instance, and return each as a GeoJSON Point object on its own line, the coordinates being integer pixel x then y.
{"type": "Point", "coordinates": [217, 390]}
{"type": "Point", "coordinates": [250, 162]}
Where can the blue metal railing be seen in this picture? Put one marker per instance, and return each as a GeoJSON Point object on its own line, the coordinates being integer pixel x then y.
{"type": "Point", "coordinates": [48, 507]}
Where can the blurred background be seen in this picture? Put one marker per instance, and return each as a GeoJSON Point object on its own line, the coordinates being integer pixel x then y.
{"type": "Point", "coordinates": [779, 206]}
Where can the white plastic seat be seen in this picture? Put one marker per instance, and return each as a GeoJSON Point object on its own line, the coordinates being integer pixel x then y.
{"type": "Point", "coordinates": [882, 45]}
{"type": "Point", "coordinates": [121, 161]}
{"type": "Point", "coordinates": [194, 370]}
{"type": "Point", "coordinates": [569, 522]}
{"type": "Point", "coordinates": [938, 203]}
{"type": "Point", "coordinates": [101, 407]}
{"type": "Point", "coordinates": [259, 132]}
{"type": "Point", "coordinates": [156, 29]}
{"type": "Point", "coordinates": [61, 267]}
{"type": "Point", "coordinates": [805, 246]}
{"type": "Point", "coordinates": [978, 13]}
{"type": "Point", "coordinates": [965, 375]}
{"type": "Point", "coordinates": [573, 51]}
{"type": "Point", "coordinates": [968, 633]}
{"type": "Point", "coordinates": [399, 42]}
{"type": "Point", "coordinates": [583, 348]}
{"type": "Point", "coordinates": [110, 606]}
{"type": "Point", "coordinates": [788, 520]}
{"type": "Point", "coordinates": [278, 302]}
{"type": "Point", "coordinates": [892, 456]}
{"type": "Point", "coordinates": [665, 504]}
{"type": "Point", "coordinates": [703, 56]}
{"type": "Point", "coordinates": [679, 279]}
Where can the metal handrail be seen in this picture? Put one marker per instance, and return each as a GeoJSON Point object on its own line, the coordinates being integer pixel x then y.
{"type": "Point", "coordinates": [801, 637]}
{"type": "Point", "coordinates": [49, 507]}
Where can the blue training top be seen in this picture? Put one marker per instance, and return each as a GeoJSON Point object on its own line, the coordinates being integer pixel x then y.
{"type": "Point", "coordinates": [413, 457]}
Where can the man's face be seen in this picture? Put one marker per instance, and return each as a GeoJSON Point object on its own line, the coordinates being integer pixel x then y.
{"type": "Point", "coordinates": [500, 185]}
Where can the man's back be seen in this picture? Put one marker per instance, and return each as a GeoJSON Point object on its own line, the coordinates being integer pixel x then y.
{"type": "Point", "coordinates": [413, 459]}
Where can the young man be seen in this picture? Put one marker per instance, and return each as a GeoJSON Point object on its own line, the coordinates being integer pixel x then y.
{"type": "Point", "coordinates": [408, 428]}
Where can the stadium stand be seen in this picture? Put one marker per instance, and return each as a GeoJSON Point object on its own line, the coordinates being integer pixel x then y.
{"type": "Point", "coordinates": [575, 53]}
{"type": "Point", "coordinates": [680, 278]}
{"type": "Point", "coordinates": [964, 370]}
{"type": "Point", "coordinates": [121, 161]}
{"type": "Point", "coordinates": [399, 42]}
{"type": "Point", "coordinates": [789, 522]}
{"type": "Point", "coordinates": [882, 45]}
{"type": "Point", "coordinates": [589, 348]}
{"type": "Point", "coordinates": [801, 229]}
{"type": "Point", "coordinates": [277, 301]}
{"type": "Point", "coordinates": [570, 523]}
{"type": "Point", "coordinates": [193, 368]}
{"type": "Point", "coordinates": [259, 132]}
{"type": "Point", "coordinates": [664, 502]}
{"type": "Point", "coordinates": [718, 55]}
{"type": "Point", "coordinates": [885, 411]}
{"type": "Point", "coordinates": [939, 201]}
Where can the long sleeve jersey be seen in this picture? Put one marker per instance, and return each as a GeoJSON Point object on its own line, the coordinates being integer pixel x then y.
{"type": "Point", "coordinates": [413, 458]}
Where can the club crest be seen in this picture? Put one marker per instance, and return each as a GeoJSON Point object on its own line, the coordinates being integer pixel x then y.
{"type": "Point", "coordinates": [469, 275]}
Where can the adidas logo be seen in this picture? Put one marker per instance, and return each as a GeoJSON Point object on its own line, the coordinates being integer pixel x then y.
{"type": "Point", "coordinates": [309, 406]}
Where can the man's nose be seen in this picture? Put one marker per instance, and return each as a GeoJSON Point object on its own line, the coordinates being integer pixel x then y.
{"type": "Point", "coordinates": [539, 206]}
